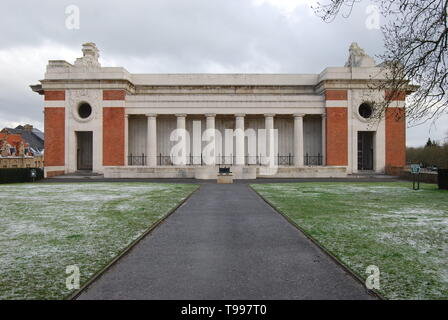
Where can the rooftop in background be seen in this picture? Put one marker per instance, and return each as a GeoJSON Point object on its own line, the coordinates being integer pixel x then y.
{"type": "Point", "coordinates": [34, 137]}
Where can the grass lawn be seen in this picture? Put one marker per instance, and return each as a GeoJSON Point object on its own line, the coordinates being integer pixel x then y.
{"type": "Point", "coordinates": [46, 227]}
{"type": "Point", "coordinates": [403, 232]}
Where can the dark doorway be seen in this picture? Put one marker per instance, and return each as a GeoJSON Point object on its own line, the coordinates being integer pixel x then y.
{"type": "Point", "coordinates": [84, 149]}
{"type": "Point", "coordinates": [365, 150]}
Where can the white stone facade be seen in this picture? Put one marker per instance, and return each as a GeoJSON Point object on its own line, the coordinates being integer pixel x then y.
{"type": "Point", "coordinates": [133, 116]}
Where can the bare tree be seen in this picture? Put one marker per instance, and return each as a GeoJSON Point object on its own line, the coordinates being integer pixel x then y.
{"type": "Point", "coordinates": [415, 57]}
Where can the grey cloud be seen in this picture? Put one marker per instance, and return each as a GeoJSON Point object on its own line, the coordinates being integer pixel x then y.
{"type": "Point", "coordinates": [180, 36]}
{"type": "Point", "coordinates": [229, 32]}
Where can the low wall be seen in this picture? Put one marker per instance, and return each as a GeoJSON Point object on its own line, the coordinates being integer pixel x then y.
{"type": "Point", "coordinates": [394, 171]}
{"type": "Point", "coordinates": [427, 177]}
{"type": "Point", "coordinates": [239, 172]}
{"type": "Point", "coordinates": [146, 172]}
{"type": "Point", "coordinates": [305, 172]}
{"type": "Point", "coordinates": [405, 173]}
{"type": "Point", "coordinates": [50, 174]}
{"type": "Point", "coordinates": [203, 172]}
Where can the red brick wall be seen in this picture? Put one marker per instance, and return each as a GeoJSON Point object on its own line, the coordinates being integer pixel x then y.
{"type": "Point", "coordinates": [50, 174]}
{"type": "Point", "coordinates": [395, 96]}
{"type": "Point", "coordinates": [336, 95]}
{"type": "Point", "coordinates": [54, 95]}
{"type": "Point", "coordinates": [337, 136]}
{"type": "Point", "coordinates": [114, 94]}
{"type": "Point", "coordinates": [395, 137]}
{"type": "Point", "coordinates": [54, 136]}
{"type": "Point", "coordinates": [113, 136]}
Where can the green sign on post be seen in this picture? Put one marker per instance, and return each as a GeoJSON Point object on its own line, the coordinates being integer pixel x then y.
{"type": "Point", "coordinates": [415, 170]}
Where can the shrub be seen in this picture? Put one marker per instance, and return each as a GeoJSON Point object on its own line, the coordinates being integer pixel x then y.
{"type": "Point", "coordinates": [443, 179]}
{"type": "Point", "coordinates": [12, 175]}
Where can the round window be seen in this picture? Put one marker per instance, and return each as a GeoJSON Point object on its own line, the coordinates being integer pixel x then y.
{"type": "Point", "coordinates": [84, 110]}
{"type": "Point", "coordinates": [365, 110]}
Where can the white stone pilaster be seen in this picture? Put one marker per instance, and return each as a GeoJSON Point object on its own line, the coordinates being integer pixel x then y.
{"type": "Point", "coordinates": [270, 140]}
{"type": "Point", "coordinates": [182, 139]}
{"type": "Point", "coordinates": [151, 143]}
{"type": "Point", "coordinates": [239, 139]}
{"type": "Point", "coordinates": [210, 151]}
{"type": "Point", "coordinates": [298, 139]}
{"type": "Point", "coordinates": [269, 121]}
{"type": "Point", "coordinates": [126, 139]}
{"type": "Point", "coordinates": [324, 139]}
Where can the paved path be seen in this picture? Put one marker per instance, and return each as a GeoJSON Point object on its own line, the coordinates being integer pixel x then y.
{"type": "Point", "coordinates": [225, 243]}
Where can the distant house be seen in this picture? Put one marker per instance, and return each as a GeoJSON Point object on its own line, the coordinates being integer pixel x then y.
{"type": "Point", "coordinates": [32, 136]}
{"type": "Point", "coordinates": [21, 147]}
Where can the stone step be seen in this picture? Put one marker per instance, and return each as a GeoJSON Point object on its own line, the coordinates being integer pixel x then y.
{"type": "Point", "coordinates": [80, 174]}
{"type": "Point", "coordinates": [364, 175]}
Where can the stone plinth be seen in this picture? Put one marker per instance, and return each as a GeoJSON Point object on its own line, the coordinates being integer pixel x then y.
{"type": "Point", "coordinates": [225, 178]}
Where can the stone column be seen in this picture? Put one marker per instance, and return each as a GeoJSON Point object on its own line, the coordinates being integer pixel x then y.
{"type": "Point", "coordinates": [270, 140]}
{"type": "Point", "coordinates": [210, 152]}
{"type": "Point", "coordinates": [324, 138]}
{"type": "Point", "coordinates": [182, 140]}
{"type": "Point", "coordinates": [151, 141]}
{"type": "Point", "coordinates": [126, 139]}
{"type": "Point", "coordinates": [298, 139]}
{"type": "Point", "coordinates": [269, 120]}
{"type": "Point", "coordinates": [239, 139]}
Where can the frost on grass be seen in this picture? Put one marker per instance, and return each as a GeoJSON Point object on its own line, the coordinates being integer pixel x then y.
{"type": "Point", "coordinates": [46, 227]}
{"type": "Point", "coordinates": [403, 232]}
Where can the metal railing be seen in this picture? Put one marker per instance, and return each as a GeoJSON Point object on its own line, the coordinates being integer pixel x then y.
{"type": "Point", "coordinates": [285, 160]}
{"type": "Point", "coordinates": [225, 160]}
{"type": "Point", "coordinates": [137, 160]}
{"type": "Point", "coordinates": [259, 160]}
{"type": "Point", "coordinates": [313, 160]}
{"type": "Point", "coordinates": [164, 160]}
{"type": "Point", "coordinates": [170, 160]}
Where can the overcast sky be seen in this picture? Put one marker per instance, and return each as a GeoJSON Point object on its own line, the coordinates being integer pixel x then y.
{"type": "Point", "coordinates": [176, 36]}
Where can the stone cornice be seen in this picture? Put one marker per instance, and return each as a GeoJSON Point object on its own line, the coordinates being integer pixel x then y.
{"type": "Point", "coordinates": [363, 84]}
{"type": "Point", "coordinates": [99, 84]}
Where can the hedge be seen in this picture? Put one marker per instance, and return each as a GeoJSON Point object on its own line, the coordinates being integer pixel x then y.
{"type": "Point", "coordinates": [12, 175]}
{"type": "Point", "coordinates": [443, 179]}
